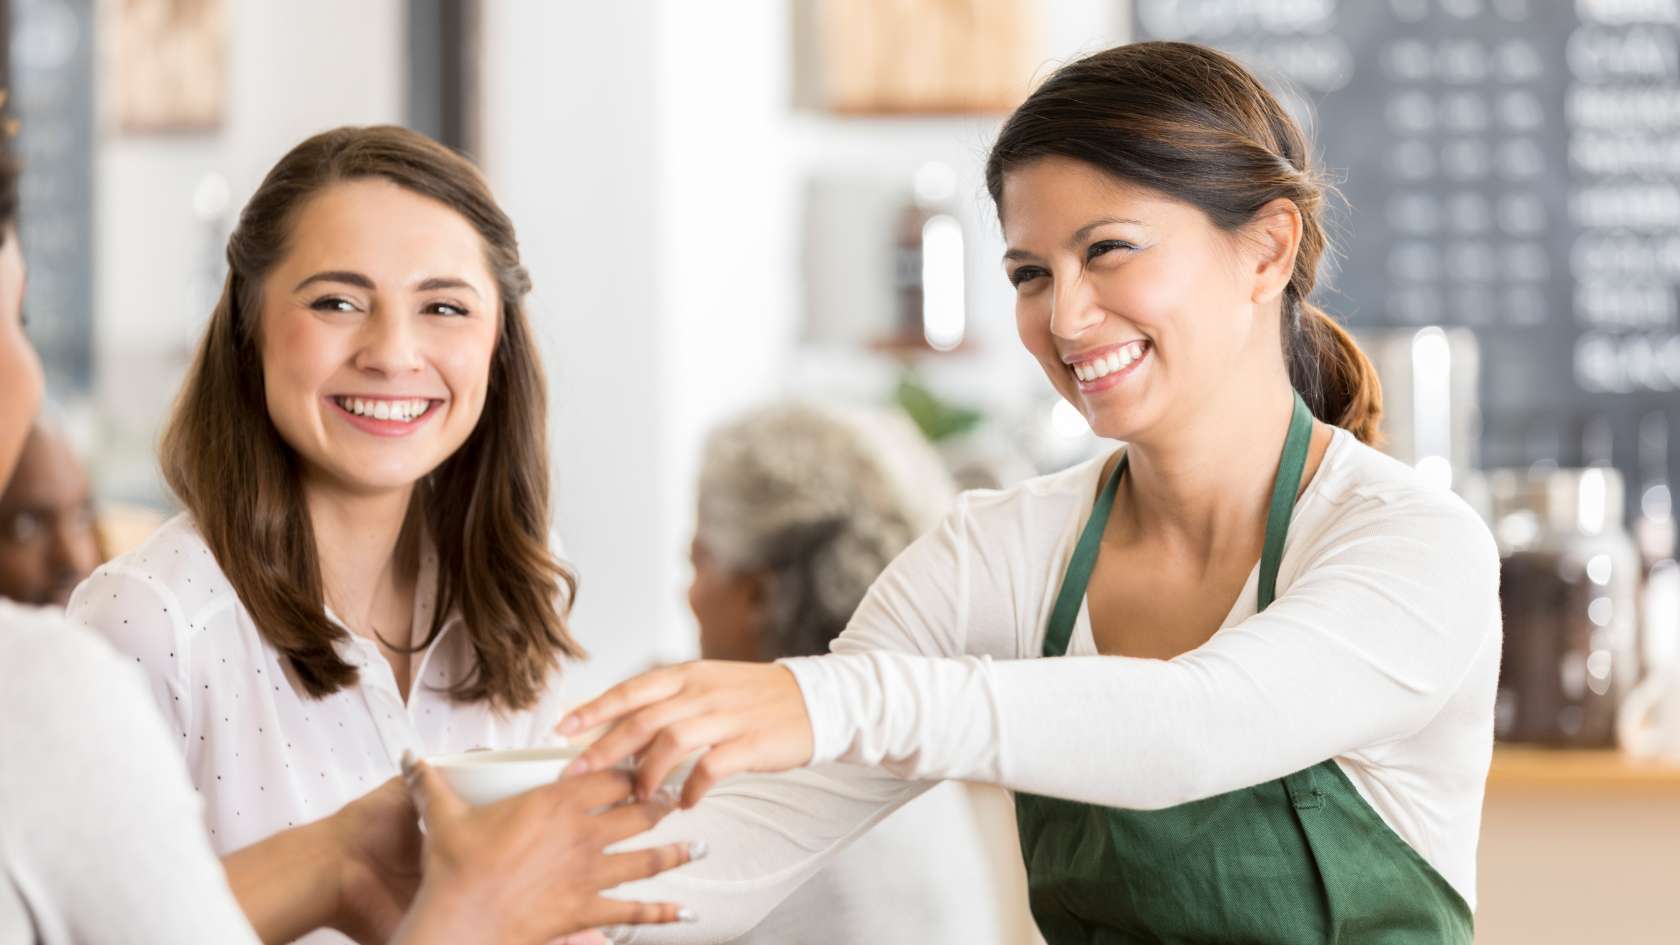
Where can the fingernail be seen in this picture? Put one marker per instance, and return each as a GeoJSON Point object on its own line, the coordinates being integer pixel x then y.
{"type": "Point", "coordinates": [685, 914]}
{"type": "Point", "coordinates": [697, 850]}
{"type": "Point", "coordinates": [408, 764]}
{"type": "Point", "coordinates": [577, 767]}
{"type": "Point", "coordinates": [568, 725]}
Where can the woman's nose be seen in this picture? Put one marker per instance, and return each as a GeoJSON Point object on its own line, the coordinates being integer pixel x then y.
{"type": "Point", "coordinates": [1073, 307]}
{"type": "Point", "coordinates": [389, 346]}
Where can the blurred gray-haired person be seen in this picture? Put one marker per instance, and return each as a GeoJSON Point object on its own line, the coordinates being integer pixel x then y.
{"type": "Point", "coordinates": [801, 506]}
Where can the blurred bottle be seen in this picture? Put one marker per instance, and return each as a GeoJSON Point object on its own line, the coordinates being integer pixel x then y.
{"type": "Point", "coordinates": [1431, 417]}
{"type": "Point", "coordinates": [1650, 718]}
{"type": "Point", "coordinates": [1569, 591]}
{"type": "Point", "coordinates": [1654, 533]}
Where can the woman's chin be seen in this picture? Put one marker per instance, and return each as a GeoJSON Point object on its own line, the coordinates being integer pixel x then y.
{"type": "Point", "coordinates": [1115, 421]}
{"type": "Point", "coordinates": [371, 480]}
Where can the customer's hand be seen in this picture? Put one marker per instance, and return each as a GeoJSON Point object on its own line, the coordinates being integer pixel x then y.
{"type": "Point", "coordinates": [379, 869]}
{"type": "Point", "coordinates": [743, 716]}
{"type": "Point", "coordinates": [532, 868]}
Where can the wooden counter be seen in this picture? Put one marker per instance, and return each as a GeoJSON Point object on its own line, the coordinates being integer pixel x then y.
{"type": "Point", "coordinates": [1521, 768]}
{"type": "Point", "coordinates": [1578, 848]}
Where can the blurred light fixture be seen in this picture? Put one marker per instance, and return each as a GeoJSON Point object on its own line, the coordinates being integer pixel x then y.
{"type": "Point", "coordinates": [943, 314]}
{"type": "Point", "coordinates": [1432, 405]}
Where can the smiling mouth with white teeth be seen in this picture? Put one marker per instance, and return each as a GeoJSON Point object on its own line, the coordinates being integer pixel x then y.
{"type": "Point", "coordinates": [400, 411]}
{"type": "Point", "coordinates": [1095, 369]}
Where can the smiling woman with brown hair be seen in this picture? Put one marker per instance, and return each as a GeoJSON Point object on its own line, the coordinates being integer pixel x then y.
{"type": "Point", "coordinates": [101, 839]}
{"type": "Point", "coordinates": [364, 567]}
{"type": "Point", "coordinates": [1239, 672]}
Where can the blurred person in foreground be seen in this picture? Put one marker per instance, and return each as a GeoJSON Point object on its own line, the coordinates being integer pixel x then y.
{"type": "Point", "coordinates": [800, 508]}
{"type": "Point", "coordinates": [49, 532]}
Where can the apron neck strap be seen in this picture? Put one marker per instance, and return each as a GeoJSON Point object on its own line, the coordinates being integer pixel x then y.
{"type": "Point", "coordinates": [1285, 488]}
{"type": "Point", "coordinates": [1291, 465]}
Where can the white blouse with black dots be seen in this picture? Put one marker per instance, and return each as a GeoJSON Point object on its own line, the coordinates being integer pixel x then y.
{"type": "Point", "coordinates": [262, 752]}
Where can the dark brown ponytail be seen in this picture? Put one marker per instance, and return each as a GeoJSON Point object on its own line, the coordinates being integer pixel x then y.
{"type": "Point", "coordinates": [1189, 122]}
{"type": "Point", "coordinates": [1334, 377]}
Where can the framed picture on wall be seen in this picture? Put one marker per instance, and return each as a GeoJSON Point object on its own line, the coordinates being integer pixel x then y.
{"type": "Point", "coordinates": [168, 64]}
{"type": "Point", "coordinates": [896, 57]}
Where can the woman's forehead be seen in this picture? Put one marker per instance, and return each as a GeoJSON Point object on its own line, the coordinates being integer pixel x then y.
{"type": "Point", "coordinates": [1052, 198]}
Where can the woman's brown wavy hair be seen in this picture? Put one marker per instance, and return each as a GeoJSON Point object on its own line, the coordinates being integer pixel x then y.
{"type": "Point", "coordinates": [485, 507]}
{"type": "Point", "coordinates": [1190, 122]}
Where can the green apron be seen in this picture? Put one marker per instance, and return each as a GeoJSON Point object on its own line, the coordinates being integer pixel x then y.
{"type": "Point", "coordinates": [1296, 861]}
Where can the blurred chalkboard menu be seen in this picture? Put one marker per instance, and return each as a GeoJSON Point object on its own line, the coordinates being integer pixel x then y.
{"type": "Point", "coordinates": [51, 47]}
{"type": "Point", "coordinates": [1512, 166]}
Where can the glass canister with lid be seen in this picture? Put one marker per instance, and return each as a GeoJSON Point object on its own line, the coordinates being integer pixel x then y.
{"type": "Point", "coordinates": [1569, 590]}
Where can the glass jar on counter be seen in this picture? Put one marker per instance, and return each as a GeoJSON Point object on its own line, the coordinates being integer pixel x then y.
{"type": "Point", "coordinates": [1569, 591]}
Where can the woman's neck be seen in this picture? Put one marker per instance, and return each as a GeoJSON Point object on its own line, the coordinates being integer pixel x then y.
{"type": "Point", "coordinates": [365, 551]}
{"type": "Point", "coordinates": [1201, 483]}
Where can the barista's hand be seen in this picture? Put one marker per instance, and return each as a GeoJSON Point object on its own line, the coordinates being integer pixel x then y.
{"type": "Point", "coordinates": [743, 716]}
{"type": "Point", "coordinates": [532, 868]}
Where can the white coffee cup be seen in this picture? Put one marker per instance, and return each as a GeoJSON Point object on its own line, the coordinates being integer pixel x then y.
{"type": "Point", "coordinates": [484, 777]}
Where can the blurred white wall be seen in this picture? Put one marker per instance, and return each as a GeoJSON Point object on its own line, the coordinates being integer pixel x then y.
{"type": "Point", "coordinates": [571, 138]}
{"type": "Point", "coordinates": [650, 154]}
{"type": "Point", "coordinates": [293, 69]}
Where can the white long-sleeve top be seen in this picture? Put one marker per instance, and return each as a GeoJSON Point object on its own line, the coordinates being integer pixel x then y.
{"type": "Point", "coordinates": [261, 751]}
{"type": "Point", "coordinates": [1381, 651]}
{"type": "Point", "coordinates": [917, 878]}
{"type": "Point", "coordinates": [101, 840]}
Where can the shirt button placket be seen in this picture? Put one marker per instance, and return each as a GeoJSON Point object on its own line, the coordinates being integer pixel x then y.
{"type": "Point", "coordinates": [390, 716]}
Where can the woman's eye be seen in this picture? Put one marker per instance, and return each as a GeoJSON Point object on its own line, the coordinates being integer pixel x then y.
{"type": "Point", "coordinates": [1106, 246]}
{"type": "Point", "coordinates": [445, 308]}
{"type": "Point", "coordinates": [332, 303]}
{"type": "Point", "coordinates": [1024, 275]}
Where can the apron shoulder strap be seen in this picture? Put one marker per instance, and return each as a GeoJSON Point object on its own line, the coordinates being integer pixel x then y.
{"type": "Point", "coordinates": [1291, 465]}
{"type": "Point", "coordinates": [1084, 561]}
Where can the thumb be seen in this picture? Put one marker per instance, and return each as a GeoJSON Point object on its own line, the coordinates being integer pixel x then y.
{"type": "Point", "coordinates": [432, 797]}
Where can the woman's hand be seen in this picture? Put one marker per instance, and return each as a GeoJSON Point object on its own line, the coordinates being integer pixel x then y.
{"type": "Point", "coordinates": [743, 716]}
{"type": "Point", "coordinates": [354, 871]}
{"type": "Point", "coordinates": [380, 866]}
{"type": "Point", "coordinates": [530, 869]}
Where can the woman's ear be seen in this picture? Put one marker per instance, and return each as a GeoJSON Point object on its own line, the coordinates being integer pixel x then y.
{"type": "Point", "coordinates": [754, 590]}
{"type": "Point", "coordinates": [1274, 236]}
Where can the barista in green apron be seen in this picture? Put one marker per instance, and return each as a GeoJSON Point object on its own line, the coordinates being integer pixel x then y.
{"type": "Point", "coordinates": [1162, 220]}
{"type": "Point", "coordinates": [1296, 861]}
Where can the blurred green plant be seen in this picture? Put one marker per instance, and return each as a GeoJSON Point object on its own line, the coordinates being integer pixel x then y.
{"type": "Point", "coordinates": [937, 417]}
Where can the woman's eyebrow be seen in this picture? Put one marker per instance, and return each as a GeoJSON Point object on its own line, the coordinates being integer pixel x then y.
{"type": "Point", "coordinates": [445, 282]}
{"type": "Point", "coordinates": [1078, 236]}
{"type": "Point", "coordinates": [336, 275]}
{"type": "Point", "coordinates": [1084, 231]}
